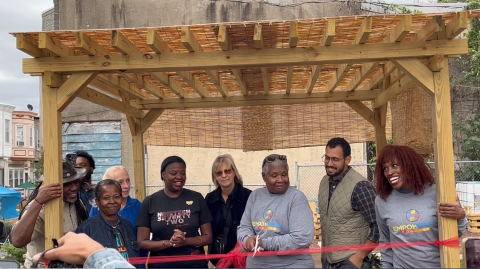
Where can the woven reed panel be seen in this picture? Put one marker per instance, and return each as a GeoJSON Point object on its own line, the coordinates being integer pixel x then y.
{"type": "Point", "coordinates": [412, 120]}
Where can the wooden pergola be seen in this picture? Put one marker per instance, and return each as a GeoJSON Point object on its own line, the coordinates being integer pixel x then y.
{"type": "Point", "coordinates": [364, 61]}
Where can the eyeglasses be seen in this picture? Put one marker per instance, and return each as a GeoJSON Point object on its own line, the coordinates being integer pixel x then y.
{"type": "Point", "coordinates": [226, 171]}
{"type": "Point", "coordinates": [334, 160]}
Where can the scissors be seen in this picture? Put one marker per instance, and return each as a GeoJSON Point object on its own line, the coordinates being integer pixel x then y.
{"type": "Point", "coordinates": [256, 248]}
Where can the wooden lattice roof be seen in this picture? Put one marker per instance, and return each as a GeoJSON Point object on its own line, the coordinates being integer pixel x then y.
{"type": "Point", "coordinates": [216, 66]}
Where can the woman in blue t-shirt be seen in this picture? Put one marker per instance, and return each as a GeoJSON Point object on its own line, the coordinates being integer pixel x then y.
{"type": "Point", "coordinates": [173, 216]}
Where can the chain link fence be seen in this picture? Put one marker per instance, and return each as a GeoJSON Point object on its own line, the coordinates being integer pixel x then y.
{"type": "Point", "coordinates": [308, 176]}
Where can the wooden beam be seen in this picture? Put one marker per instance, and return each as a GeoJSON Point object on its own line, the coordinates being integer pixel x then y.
{"type": "Point", "coordinates": [189, 41]}
{"type": "Point", "coordinates": [139, 163]}
{"type": "Point", "coordinates": [401, 30]}
{"type": "Point", "coordinates": [173, 62]}
{"type": "Point", "coordinates": [89, 46]}
{"type": "Point", "coordinates": [109, 102]}
{"type": "Point", "coordinates": [52, 166]}
{"type": "Point", "coordinates": [361, 75]}
{"type": "Point", "coordinates": [289, 79]}
{"type": "Point", "coordinates": [123, 45]}
{"type": "Point", "coordinates": [194, 83]}
{"type": "Point", "coordinates": [153, 89]}
{"type": "Point", "coordinates": [169, 83]}
{"type": "Point", "coordinates": [383, 109]}
{"type": "Point", "coordinates": [342, 71]}
{"type": "Point", "coordinates": [256, 100]}
{"type": "Point", "coordinates": [435, 63]}
{"type": "Point", "coordinates": [100, 85]}
{"type": "Point", "coordinates": [150, 118]}
{"type": "Point", "coordinates": [53, 47]}
{"type": "Point", "coordinates": [457, 25]}
{"type": "Point", "coordinates": [258, 36]}
{"type": "Point", "coordinates": [430, 30]}
{"type": "Point", "coordinates": [293, 36]}
{"type": "Point", "coordinates": [28, 45]}
{"type": "Point", "coordinates": [239, 77]}
{"type": "Point", "coordinates": [364, 31]}
{"type": "Point", "coordinates": [316, 69]}
{"type": "Point", "coordinates": [380, 132]}
{"type": "Point", "coordinates": [444, 167]}
{"type": "Point", "coordinates": [156, 43]}
{"type": "Point", "coordinates": [394, 90]}
{"type": "Point", "coordinates": [266, 83]}
{"type": "Point", "coordinates": [417, 71]}
{"type": "Point", "coordinates": [328, 33]}
{"type": "Point", "coordinates": [72, 87]}
{"type": "Point", "coordinates": [224, 38]}
{"type": "Point", "coordinates": [362, 110]}
{"type": "Point", "coordinates": [130, 120]}
{"type": "Point", "coordinates": [123, 85]}
{"type": "Point", "coordinates": [51, 79]}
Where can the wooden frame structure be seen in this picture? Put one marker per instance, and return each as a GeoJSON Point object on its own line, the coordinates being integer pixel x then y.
{"type": "Point", "coordinates": [143, 72]}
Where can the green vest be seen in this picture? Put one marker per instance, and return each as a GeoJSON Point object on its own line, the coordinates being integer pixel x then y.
{"type": "Point", "coordinates": [341, 225]}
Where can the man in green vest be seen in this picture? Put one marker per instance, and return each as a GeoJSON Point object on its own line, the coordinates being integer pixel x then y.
{"type": "Point", "coordinates": [346, 201]}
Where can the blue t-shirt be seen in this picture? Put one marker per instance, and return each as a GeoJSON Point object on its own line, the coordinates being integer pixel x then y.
{"type": "Point", "coordinates": [129, 212]}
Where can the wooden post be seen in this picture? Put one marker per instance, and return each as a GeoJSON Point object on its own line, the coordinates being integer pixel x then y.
{"type": "Point", "coordinates": [444, 167]}
{"type": "Point", "coordinates": [138, 161]}
{"type": "Point", "coordinates": [380, 118]}
{"type": "Point", "coordinates": [52, 141]}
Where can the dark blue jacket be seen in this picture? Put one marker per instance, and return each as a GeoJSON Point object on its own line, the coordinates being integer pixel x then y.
{"type": "Point", "coordinates": [130, 212]}
{"type": "Point", "coordinates": [99, 230]}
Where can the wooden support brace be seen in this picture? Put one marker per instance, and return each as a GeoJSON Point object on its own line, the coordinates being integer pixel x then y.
{"type": "Point", "coordinates": [150, 118]}
{"type": "Point", "coordinates": [293, 37]}
{"type": "Point", "coordinates": [107, 101]}
{"type": "Point", "coordinates": [395, 89]}
{"type": "Point", "coordinates": [362, 110]}
{"type": "Point", "coordinates": [289, 79]}
{"type": "Point", "coordinates": [417, 71]}
{"type": "Point", "coordinates": [258, 36]}
{"type": "Point", "coordinates": [457, 25]}
{"type": "Point", "coordinates": [444, 167]}
{"type": "Point", "coordinates": [266, 84]}
{"type": "Point", "coordinates": [72, 87]}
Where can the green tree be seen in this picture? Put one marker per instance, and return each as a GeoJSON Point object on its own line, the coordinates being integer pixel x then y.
{"type": "Point", "coordinates": [39, 166]}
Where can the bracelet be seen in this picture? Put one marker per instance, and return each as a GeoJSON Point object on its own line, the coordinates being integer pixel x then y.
{"type": "Point", "coordinates": [38, 201]}
{"type": "Point", "coordinates": [199, 237]}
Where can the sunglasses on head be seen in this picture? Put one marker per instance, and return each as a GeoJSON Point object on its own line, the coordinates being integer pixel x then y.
{"type": "Point", "coordinates": [226, 171]}
{"type": "Point", "coordinates": [273, 157]}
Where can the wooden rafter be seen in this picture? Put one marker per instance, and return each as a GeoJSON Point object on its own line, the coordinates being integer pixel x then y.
{"type": "Point", "coordinates": [28, 45]}
{"type": "Point", "coordinates": [266, 83]}
{"type": "Point", "coordinates": [169, 83]}
{"type": "Point", "coordinates": [293, 34]}
{"type": "Point", "coordinates": [122, 85]}
{"type": "Point", "coordinates": [107, 101]}
{"type": "Point", "coordinates": [457, 25]}
{"type": "Point", "coordinates": [258, 36]}
{"type": "Point", "coordinates": [417, 71]}
{"type": "Point", "coordinates": [72, 87]}
{"type": "Point", "coordinates": [364, 32]}
{"type": "Point", "coordinates": [395, 89]}
{"type": "Point", "coordinates": [289, 79]}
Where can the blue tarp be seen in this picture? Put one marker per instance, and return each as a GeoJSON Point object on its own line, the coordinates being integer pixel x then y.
{"type": "Point", "coordinates": [9, 199]}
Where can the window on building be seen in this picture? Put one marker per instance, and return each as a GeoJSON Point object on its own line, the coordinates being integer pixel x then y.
{"type": "Point", "coordinates": [20, 136]}
{"type": "Point", "coordinates": [38, 138]}
{"type": "Point", "coordinates": [16, 177]}
{"type": "Point", "coordinates": [30, 135]}
{"type": "Point", "coordinates": [7, 131]}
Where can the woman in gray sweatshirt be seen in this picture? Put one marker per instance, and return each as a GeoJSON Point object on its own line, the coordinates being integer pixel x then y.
{"type": "Point", "coordinates": [406, 208]}
{"type": "Point", "coordinates": [281, 218]}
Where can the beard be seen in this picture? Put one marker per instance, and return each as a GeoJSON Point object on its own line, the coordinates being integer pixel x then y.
{"type": "Point", "coordinates": [87, 178]}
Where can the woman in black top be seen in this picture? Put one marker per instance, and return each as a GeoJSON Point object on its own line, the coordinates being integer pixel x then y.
{"type": "Point", "coordinates": [173, 216]}
{"type": "Point", "coordinates": [226, 204]}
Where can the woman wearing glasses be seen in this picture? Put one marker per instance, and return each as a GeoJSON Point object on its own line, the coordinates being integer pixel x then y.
{"type": "Point", "coordinates": [407, 209]}
{"type": "Point", "coordinates": [226, 203]}
{"type": "Point", "coordinates": [277, 218]}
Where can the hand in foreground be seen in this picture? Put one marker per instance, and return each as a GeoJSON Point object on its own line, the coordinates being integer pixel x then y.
{"type": "Point", "coordinates": [178, 238]}
{"type": "Point", "coordinates": [49, 192]}
{"type": "Point", "coordinates": [72, 248]}
{"type": "Point", "coordinates": [451, 210]}
{"type": "Point", "coordinates": [250, 244]}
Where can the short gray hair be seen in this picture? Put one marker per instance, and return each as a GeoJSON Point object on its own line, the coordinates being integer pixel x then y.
{"type": "Point", "coordinates": [109, 173]}
{"type": "Point", "coordinates": [276, 162]}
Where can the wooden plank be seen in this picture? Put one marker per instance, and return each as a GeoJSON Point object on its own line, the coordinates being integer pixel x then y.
{"type": "Point", "coordinates": [239, 77]}
{"type": "Point", "coordinates": [122, 44]}
{"type": "Point", "coordinates": [72, 87]}
{"type": "Point", "coordinates": [194, 83]}
{"type": "Point", "coordinates": [53, 47]}
{"type": "Point", "coordinates": [258, 36]}
{"type": "Point", "coordinates": [123, 85]}
{"type": "Point", "coordinates": [289, 79]}
{"type": "Point", "coordinates": [153, 89]}
{"type": "Point", "coordinates": [316, 69]}
{"type": "Point", "coordinates": [224, 38]}
{"type": "Point", "coordinates": [173, 62]}
{"type": "Point", "coordinates": [401, 30]}
{"type": "Point", "coordinates": [361, 75]}
{"type": "Point", "coordinates": [384, 109]}
{"type": "Point", "coordinates": [380, 132]}
{"type": "Point", "coordinates": [329, 33]}
{"type": "Point", "coordinates": [109, 102]}
{"type": "Point", "coordinates": [457, 25]}
{"type": "Point", "coordinates": [342, 71]}
{"type": "Point", "coordinates": [417, 71]}
{"type": "Point", "coordinates": [138, 163]}
{"type": "Point", "coordinates": [266, 83]}
{"type": "Point", "coordinates": [88, 46]}
{"type": "Point", "coordinates": [156, 43]}
{"type": "Point", "coordinates": [52, 166]}
{"type": "Point", "coordinates": [293, 35]}
{"type": "Point", "coordinates": [430, 30]}
{"type": "Point", "coordinates": [130, 120]}
{"type": "Point", "coordinates": [254, 100]}
{"type": "Point", "coordinates": [52, 79]}
{"type": "Point", "coordinates": [362, 110]}
{"type": "Point", "coordinates": [189, 41]}
{"type": "Point", "coordinates": [445, 174]}
{"type": "Point", "coordinates": [169, 83]}
{"type": "Point", "coordinates": [102, 86]}
{"type": "Point", "coordinates": [364, 31]}
{"type": "Point", "coordinates": [150, 118]}
{"type": "Point", "coordinates": [435, 63]}
{"type": "Point", "coordinates": [394, 90]}
{"type": "Point", "coordinates": [28, 45]}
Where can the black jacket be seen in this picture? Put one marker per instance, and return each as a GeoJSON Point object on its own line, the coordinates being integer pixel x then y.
{"type": "Point", "coordinates": [214, 201]}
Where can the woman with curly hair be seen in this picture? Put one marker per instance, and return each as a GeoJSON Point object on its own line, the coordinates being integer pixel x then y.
{"type": "Point", "coordinates": [406, 208]}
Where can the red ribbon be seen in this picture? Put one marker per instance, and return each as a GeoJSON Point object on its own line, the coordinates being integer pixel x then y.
{"type": "Point", "coordinates": [453, 242]}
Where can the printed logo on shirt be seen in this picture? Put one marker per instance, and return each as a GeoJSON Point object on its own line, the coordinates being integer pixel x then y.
{"type": "Point", "coordinates": [189, 202]}
{"type": "Point", "coordinates": [268, 214]}
{"type": "Point", "coordinates": [173, 217]}
{"type": "Point", "coordinates": [266, 226]}
{"type": "Point", "coordinates": [412, 215]}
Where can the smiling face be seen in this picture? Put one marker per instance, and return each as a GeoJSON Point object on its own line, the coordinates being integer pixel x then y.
{"type": "Point", "coordinates": [394, 174]}
{"type": "Point", "coordinates": [70, 191]}
{"type": "Point", "coordinates": [110, 200]}
{"type": "Point", "coordinates": [276, 180]}
{"type": "Point", "coordinates": [335, 162]}
{"type": "Point", "coordinates": [224, 175]}
{"type": "Point", "coordinates": [121, 176]}
{"type": "Point", "coordinates": [174, 176]}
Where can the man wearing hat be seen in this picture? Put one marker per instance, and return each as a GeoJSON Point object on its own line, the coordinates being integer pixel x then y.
{"type": "Point", "coordinates": [29, 231]}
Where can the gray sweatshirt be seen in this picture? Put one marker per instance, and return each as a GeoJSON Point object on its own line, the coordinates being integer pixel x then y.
{"type": "Point", "coordinates": [283, 222]}
{"type": "Point", "coordinates": [406, 218]}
